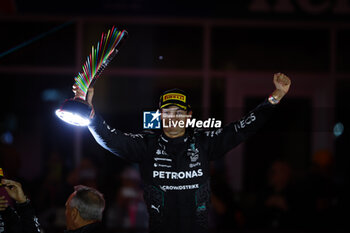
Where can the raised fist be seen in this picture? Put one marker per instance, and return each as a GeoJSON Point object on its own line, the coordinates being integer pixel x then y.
{"type": "Point", "coordinates": [282, 82]}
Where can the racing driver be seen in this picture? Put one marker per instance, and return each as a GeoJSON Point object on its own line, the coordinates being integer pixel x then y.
{"type": "Point", "coordinates": [174, 164]}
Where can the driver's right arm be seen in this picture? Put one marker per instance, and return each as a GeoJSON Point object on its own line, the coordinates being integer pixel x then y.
{"type": "Point", "coordinates": [131, 147]}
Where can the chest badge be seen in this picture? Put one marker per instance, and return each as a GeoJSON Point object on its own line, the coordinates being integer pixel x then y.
{"type": "Point", "coordinates": [193, 152]}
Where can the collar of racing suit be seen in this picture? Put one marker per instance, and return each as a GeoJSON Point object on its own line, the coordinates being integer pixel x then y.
{"type": "Point", "coordinates": [188, 138]}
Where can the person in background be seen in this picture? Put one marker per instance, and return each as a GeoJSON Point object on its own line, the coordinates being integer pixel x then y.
{"type": "Point", "coordinates": [128, 211]}
{"type": "Point", "coordinates": [276, 201]}
{"type": "Point", "coordinates": [84, 210]}
{"type": "Point", "coordinates": [20, 217]}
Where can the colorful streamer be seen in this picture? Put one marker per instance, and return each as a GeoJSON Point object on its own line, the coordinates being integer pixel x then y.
{"type": "Point", "coordinates": [99, 58]}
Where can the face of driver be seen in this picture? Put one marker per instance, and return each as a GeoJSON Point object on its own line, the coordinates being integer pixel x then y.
{"type": "Point", "coordinates": [171, 116]}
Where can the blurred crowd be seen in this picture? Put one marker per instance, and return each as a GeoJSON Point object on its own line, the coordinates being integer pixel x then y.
{"type": "Point", "coordinates": [290, 201]}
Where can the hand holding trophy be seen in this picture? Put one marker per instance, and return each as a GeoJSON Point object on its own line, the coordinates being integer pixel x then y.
{"type": "Point", "coordinates": [76, 111]}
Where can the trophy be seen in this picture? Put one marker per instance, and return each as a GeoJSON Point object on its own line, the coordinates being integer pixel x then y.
{"type": "Point", "coordinates": [76, 111]}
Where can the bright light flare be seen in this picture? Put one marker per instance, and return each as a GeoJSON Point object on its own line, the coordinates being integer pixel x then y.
{"type": "Point", "coordinates": [72, 118]}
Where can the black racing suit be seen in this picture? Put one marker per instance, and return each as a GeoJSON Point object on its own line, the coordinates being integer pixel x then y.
{"type": "Point", "coordinates": [176, 171]}
{"type": "Point", "coordinates": [20, 219]}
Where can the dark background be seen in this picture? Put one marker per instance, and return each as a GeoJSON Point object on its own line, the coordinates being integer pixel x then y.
{"type": "Point", "coordinates": [246, 41]}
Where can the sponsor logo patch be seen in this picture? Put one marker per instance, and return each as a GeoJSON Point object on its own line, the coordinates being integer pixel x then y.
{"type": "Point", "coordinates": [180, 187]}
{"type": "Point", "coordinates": [174, 96]}
{"type": "Point", "coordinates": [163, 159]}
{"type": "Point", "coordinates": [192, 165]}
{"type": "Point", "coordinates": [161, 165]}
{"type": "Point", "coordinates": [156, 208]}
{"type": "Point", "coordinates": [177, 175]}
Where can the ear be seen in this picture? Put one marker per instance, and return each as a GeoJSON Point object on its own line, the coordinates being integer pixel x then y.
{"type": "Point", "coordinates": [74, 214]}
